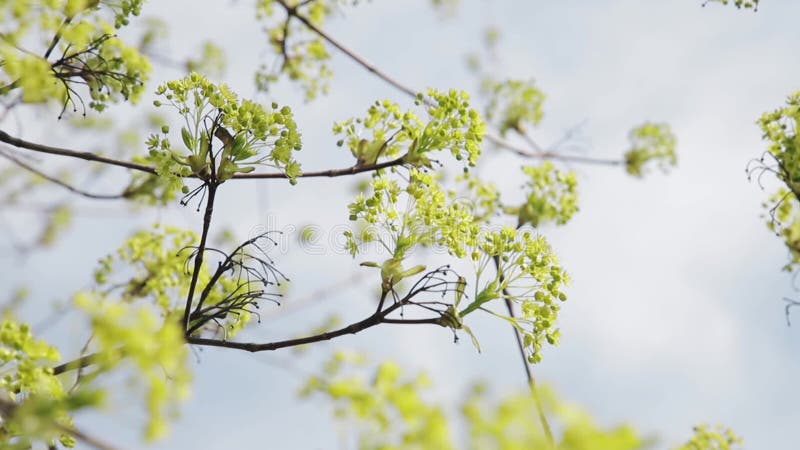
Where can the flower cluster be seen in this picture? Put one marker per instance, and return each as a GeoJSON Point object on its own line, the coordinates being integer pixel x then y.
{"type": "Point", "coordinates": [86, 52]}
{"type": "Point", "coordinates": [650, 142]}
{"type": "Point", "coordinates": [387, 131]}
{"type": "Point", "coordinates": [389, 403]}
{"type": "Point", "coordinates": [21, 358]}
{"type": "Point", "coordinates": [429, 217]}
{"type": "Point", "coordinates": [26, 377]}
{"type": "Point", "coordinates": [717, 437]}
{"type": "Point", "coordinates": [528, 274]}
{"type": "Point", "coordinates": [483, 196]}
{"type": "Point", "coordinates": [513, 104]}
{"type": "Point", "coordinates": [453, 125]}
{"type": "Point", "coordinates": [746, 4]}
{"type": "Point", "coordinates": [304, 56]}
{"type": "Point", "coordinates": [421, 213]}
{"type": "Point", "coordinates": [553, 195]}
{"type": "Point", "coordinates": [250, 133]}
{"type": "Point", "coordinates": [154, 266]}
{"type": "Point", "coordinates": [781, 130]}
{"type": "Point", "coordinates": [508, 422]}
{"type": "Point", "coordinates": [438, 218]}
{"type": "Point", "coordinates": [36, 79]}
{"type": "Point", "coordinates": [171, 172]}
{"type": "Point", "coordinates": [155, 345]}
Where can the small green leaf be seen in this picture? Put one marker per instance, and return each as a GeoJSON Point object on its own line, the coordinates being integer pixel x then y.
{"type": "Point", "coordinates": [412, 271]}
{"type": "Point", "coordinates": [188, 139]}
{"type": "Point", "coordinates": [239, 147]}
{"type": "Point", "coordinates": [488, 293]}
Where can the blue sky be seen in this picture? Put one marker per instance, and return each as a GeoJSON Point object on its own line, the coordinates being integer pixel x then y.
{"type": "Point", "coordinates": [675, 314]}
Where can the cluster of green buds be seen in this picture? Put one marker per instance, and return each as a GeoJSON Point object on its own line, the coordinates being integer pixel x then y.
{"type": "Point", "coordinates": [428, 217]}
{"type": "Point", "coordinates": [553, 196]}
{"type": "Point", "coordinates": [388, 405]}
{"type": "Point", "coordinates": [85, 53]}
{"type": "Point", "coordinates": [387, 131]}
{"type": "Point", "coordinates": [304, 56]}
{"type": "Point", "coordinates": [650, 142]}
{"type": "Point", "coordinates": [27, 377]}
{"type": "Point", "coordinates": [746, 4]}
{"type": "Point", "coordinates": [421, 213]}
{"type": "Point", "coordinates": [250, 134]}
{"type": "Point", "coordinates": [781, 129]}
{"type": "Point", "coordinates": [154, 261]}
{"type": "Point", "coordinates": [528, 273]}
{"type": "Point", "coordinates": [514, 104]}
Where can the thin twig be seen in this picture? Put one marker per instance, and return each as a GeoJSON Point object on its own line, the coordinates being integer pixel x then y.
{"type": "Point", "coordinates": [323, 293]}
{"type": "Point", "coordinates": [528, 372]}
{"type": "Point", "coordinates": [292, 11]}
{"type": "Point", "coordinates": [57, 37]}
{"type": "Point", "coordinates": [789, 304]}
{"type": "Point", "coordinates": [9, 87]}
{"type": "Point", "coordinates": [539, 152]}
{"type": "Point", "coordinates": [87, 439]}
{"type": "Point", "coordinates": [359, 168]}
{"type": "Point", "coordinates": [358, 59]}
{"type": "Point", "coordinates": [76, 364]}
{"type": "Point", "coordinates": [79, 374]}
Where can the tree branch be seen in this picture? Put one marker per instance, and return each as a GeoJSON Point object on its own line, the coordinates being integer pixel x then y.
{"type": "Point", "coordinates": [354, 328]}
{"type": "Point", "coordinates": [88, 156]}
{"type": "Point", "coordinates": [378, 317]}
{"type": "Point", "coordinates": [432, 321]}
{"type": "Point", "coordinates": [54, 180]}
{"type": "Point", "coordinates": [201, 249]}
{"type": "Point", "coordinates": [374, 319]}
